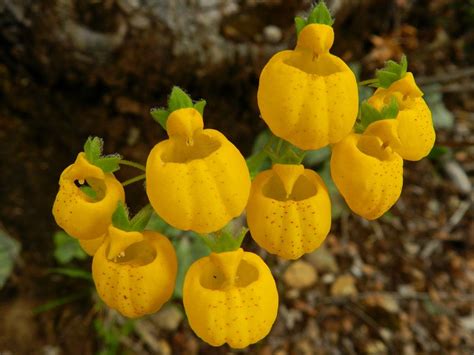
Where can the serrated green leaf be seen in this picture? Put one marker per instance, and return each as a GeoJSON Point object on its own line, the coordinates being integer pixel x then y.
{"type": "Point", "coordinates": [224, 240]}
{"type": "Point", "coordinates": [320, 14]}
{"type": "Point", "coordinates": [178, 99]}
{"type": "Point", "coordinates": [9, 251]}
{"type": "Point", "coordinates": [93, 148]}
{"type": "Point", "coordinates": [67, 248]}
{"type": "Point", "coordinates": [109, 163]}
{"type": "Point", "coordinates": [369, 114]}
{"type": "Point", "coordinates": [141, 219]}
{"type": "Point", "coordinates": [120, 217]}
{"type": "Point", "coordinates": [299, 24]}
{"type": "Point", "coordinates": [160, 115]}
{"type": "Point", "coordinates": [391, 72]}
{"type": "Point", "coordinates": [199, 106]}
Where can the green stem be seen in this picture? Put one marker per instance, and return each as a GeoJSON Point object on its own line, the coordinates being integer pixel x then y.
{"type": "Point", "coordinates": [368, 82]}
{"type": "Point", "coordinates": [133, 164]}
{"type": "Point", "coordinates": [135, 179]}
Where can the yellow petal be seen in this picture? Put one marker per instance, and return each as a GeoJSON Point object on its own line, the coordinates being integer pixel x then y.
{"type": "Point", "coordinates": [316, 38]}
{"type": "Point", "coordinates": [142, 281]}
{"type": "Point", "coordinates": [80, 216]}
{"type": "Point", "coordinates": [238, 315]}
{"type": "Point", "coordinates": [289, 225]}
{"type": "Point", "coordinates": [368, 175]}
{"type": "Point", "coordinates": [119, 240]}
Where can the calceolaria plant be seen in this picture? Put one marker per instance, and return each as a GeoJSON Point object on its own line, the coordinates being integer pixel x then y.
{"type": "Point", "coordinates": [198, 181]}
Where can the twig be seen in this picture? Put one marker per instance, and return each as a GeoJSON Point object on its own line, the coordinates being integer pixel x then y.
{"type": "Point", "coordinates": [454, 75]}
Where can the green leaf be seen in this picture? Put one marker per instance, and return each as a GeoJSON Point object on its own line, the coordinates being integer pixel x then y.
{"type": "Point", "coordinates": [390, 110]}
{"type": "Point", "coordinates": [392, 72]}
{"type": "Point", "coordinates": [189, 248]}
{"type": "Point", "coordinates": [9, 251]}
{"type": "Point", "coordinates": [89, 191]}
{"type": "Point", "coordinates": [225, 239]}
{"type": "Point", "coordinates": [93, 148]}
{"type": "Point", "coordinates": [178, 99]}
{"type": "Point", "coordinates": [316, 157]}
{"type": "Point", "coordinates": [120, 218]}
{"type": "Point", "coordinates": [67, 248]}
{"type": "Point", "coordinates": [299, 24]}
{"type": "Point", "coordinates": [199, 106]}
{"type": "Point", "coordinates": [369, 114]}
{"type": "Point", "coordinates": [160, 115]}
{"type": "Point", "coordinates": [109, 163]}
{"type": "Point", "coordinates": [257, 162]}
{"type": "Point", "coordinates": [439, 151]}
{"type": "Point", "coordinates": [320, 14]}
{"type": "Point", "coordinates": [59, 302]}
{"type": "Point", "coordinates": [74, 273]}
{"type": "Point", "coordinates": [141, 219]}
{"type": "Point", "coordinates": [157, 224]}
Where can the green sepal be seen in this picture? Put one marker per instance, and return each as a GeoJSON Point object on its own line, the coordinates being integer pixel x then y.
{"type": "Point", "coordinates": [141, 219]}
{"type": "Point", "coordinates": [319, 14]}
{"type": "Point", "coordinates": [178, 99]}
{"type": "Point", "coordinates": [93, 151]}
{"type": "Point", "coordinates": [121, 218]}
{"type": "Point", "coordinates": [369, 114]}
{"type": "Point", "coordinates": [392, 72]}
{"type": "Point", "coordinates": [89, 192]}
{"type": "Point", "coordinates": [225, 240]}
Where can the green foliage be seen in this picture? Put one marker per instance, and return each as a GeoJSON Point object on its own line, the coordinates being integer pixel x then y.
{"type": "Point", "coordinates": [338, 205]}
{"type": "Point", "coordinates": [93, 150]}
{"type": "Point", "coordinates": [225, 239]}
{"type": "Point", "coordinates": [189, 248]}
{"type": "Point", "coordinates": [89, 191]}
{"type": "Point", "coordinates": [157, 224]}
{"type": "Point", "coordinates": [67, 248]}
{"type": "Point", "coordinates": [316, 157]}
{"type": "Point", "coordinates": [61, 301]}
{"type": "Point", "coordinates": [178, 99]}
{"type": "Point", "coordinates": [74, 273]}
{"type": "Point", "coordinates": [111, 333]}
{"type": "Point", "coordinates": [9, 251]}
{"type": "Point", "coordinates": [439, 151]}
{"type": "Point", "coordinates": [319, 14]}
{"type": "Point", "coordinates": [121, 219]}
{"type": "Point", "coordinates": [369, 114]}
{"type": "Point", "coordinates": [392, 72]}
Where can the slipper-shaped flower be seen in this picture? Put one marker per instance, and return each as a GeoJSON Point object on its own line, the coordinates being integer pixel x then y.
{"type": "Point", "coordinates": [230, 297]}
{"type": "Point", "coordinates": [289, 210]}
{"type": "Point", "coordinates": [135, 272]}
{"type": "Point", "coordinates": [308, 96]}
{"type": "Point", "coordinates": [415, 125]}
{"type": "Point", "coordinates": [78, 214]}
{"type": "Point", "coordinates": [196, 180]}
{"type": "Point", "coordinates": [366, 171]}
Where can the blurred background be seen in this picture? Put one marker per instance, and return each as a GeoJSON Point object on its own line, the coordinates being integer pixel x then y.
{"type": "Point", "coordinates": [403, 284]}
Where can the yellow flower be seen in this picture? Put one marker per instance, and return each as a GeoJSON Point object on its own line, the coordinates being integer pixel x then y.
{"type": "Point", "coordinates": [90, 246]}
{"type": "Point", "coordinates": [196, 180]}
{"type": "Point", "coordinates": [308, 96]}
{"type": "Point", "coordinates": [135, 272]}
{"type": "Point", "coordinates": [79, 215]}
{"type": "Point", "coordinates": [367, 173]}
{"type": "Point", "coordinates": [289, 211]}
{"type": "Point", "coordinates": [231, 298]}
{"type": "Point", "coordinates": [415, 125]}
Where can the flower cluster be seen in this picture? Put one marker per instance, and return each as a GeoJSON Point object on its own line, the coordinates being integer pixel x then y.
{"type": "Point", "coordinates": [197, 180]}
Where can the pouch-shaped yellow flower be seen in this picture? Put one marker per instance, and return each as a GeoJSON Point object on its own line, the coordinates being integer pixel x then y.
{"type": "Point", "coordinates": [231, 298]}
{"type": "Point", "coordinates": [415, 125]}
{"type": "Point", "coordinates": [367, 173]}
{"type": "Point", "coordinates": [196, 180]}
{"type": "Point", "coordinates": [135, 272]}
{"type": "Point", "coordinates": [308, 96]}
{"type": "Point", "coordinates": [78, 214]}
{"type": "Point", "coordinates": [289, 210]}
{"type": "Point", "coordinates": [90, 246]}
